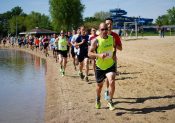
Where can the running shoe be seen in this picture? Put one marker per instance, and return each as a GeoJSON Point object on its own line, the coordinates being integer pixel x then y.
{"type": "Point", "coordinates": [86, 79]}
{"type": "Point", "coordinates": [81, 76]}
{"type": "Point", "coordinates": [63, 73]}
{"type": "Point", "coordinates": [106, 95]}
{"type": "Point", "coordinates": [111, 105]}
{"type": "Point", "coordinates": [61, 70]}
{"type": "Point", "coordinates": [98, 105]}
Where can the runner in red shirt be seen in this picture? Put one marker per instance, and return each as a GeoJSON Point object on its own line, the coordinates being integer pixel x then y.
{"type": "Point", "coordinates": [118, 44]}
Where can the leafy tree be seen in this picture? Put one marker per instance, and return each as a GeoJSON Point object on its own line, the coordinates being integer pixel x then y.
{"type": "Point", "coordinates": [171, 15]}
{"type": "Point", "coordinates": [20, 21]}
{"type": "Point", "coordinates": [162, 20]}
{"type": "Point", "coordinates": [16, 11]}
{"type": "Point", "coordinates": [5, 26]}
{"type": "Point", "coordinates": [94, 24]}
{"type": "Point", "coordinates": [167, 19]}
{"type": "Point", "coordinates": [66, 14]}
{"type": "Point", "coordinates": [90, 19]}
{"type": "Point", "coordinates": [26, 22]}
{"type": "Point", "coordinates": [90, 22]}
{"type": "Point", "coordinates": [5, 17]}
{"type": "Point", "coordinates": [35, 19]}
{"type": "Point", "coordinates": [4, 23]}
{"type": "Point", "coordinates": [102, 15]}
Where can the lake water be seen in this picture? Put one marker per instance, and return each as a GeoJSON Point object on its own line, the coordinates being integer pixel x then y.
{"type": "Point", "coordinates": [22, 87]}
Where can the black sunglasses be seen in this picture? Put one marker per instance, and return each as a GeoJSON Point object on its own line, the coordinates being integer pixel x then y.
{"type": "Point", "coordinates": [104, 29]}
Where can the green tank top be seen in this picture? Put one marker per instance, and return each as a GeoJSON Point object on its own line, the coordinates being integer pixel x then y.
{"type": "Point", "coordinates": [105, 46]}
{"type": "Point", "coordinates": [62, 44]}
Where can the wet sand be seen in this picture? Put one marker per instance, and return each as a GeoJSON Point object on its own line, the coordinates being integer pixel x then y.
{"type": "Point", "coordinates": [145, 87]}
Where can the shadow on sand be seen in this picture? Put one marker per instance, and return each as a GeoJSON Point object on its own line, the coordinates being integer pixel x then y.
{"type": "Point", "coordinates": [144, 110]}
{"type": "Point", "coordinates": [126, 77]}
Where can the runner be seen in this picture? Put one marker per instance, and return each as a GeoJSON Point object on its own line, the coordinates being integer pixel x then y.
{"type": "Point", "coordinates": [41, 43]}
{"type": "Point", "coordinates": [46, 44]}
{"type": "Point", "coordinates": [118, 44]}
{"type": "Point", "coordinates": [92, 37]}
{"type": "Point", "coordinates": [103, 49]}
{"type": "Point", "coordinates": [52, 47]}
{"type": "Point", "coordinates": [62, 47]}
{"type": "Point", "coordinates": [4, 41]}
{"type": "Point", "coordinates": [31, 42]}
{"type": "Point", "coordinates": [36, 43]}
{"type": "Point", "coordinates": [56, 48]}
{"type": "Point", "coordinates": [73, 48]}
{"type": "Point", "coordinates": [82, 43]}
{"type": "Point", "coordinates": [69, 36]}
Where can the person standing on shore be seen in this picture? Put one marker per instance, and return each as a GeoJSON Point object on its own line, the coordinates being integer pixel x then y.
{"type": "Point", "coordinates": [103, 49]}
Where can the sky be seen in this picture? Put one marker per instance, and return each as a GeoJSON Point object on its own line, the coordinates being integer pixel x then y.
{"type": "Point", "coordinates": [142, 8]}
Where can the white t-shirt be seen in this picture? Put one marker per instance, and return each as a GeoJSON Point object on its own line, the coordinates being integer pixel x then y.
{"type": "Point", "coordinates": [74, 37]}
{"type": "Point", "coordinates": [76, 50]}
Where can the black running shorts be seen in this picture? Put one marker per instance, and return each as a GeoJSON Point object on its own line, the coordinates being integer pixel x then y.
{"type": "Point", "coordinates": [100, 74]}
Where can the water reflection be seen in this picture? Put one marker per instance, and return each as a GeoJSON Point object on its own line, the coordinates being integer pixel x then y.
{"type": "Point", "coordinates": [22, 90]}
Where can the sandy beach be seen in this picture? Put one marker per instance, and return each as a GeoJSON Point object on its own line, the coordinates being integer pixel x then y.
{"type": "Point", "coordinates": [145, 87]}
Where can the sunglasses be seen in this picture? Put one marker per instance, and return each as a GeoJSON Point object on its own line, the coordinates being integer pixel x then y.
{"type": "Point", "coordinates": [104, 29]}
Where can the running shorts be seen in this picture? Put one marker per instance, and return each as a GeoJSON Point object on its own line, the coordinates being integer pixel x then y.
{"type": "Point", "coordinates": [100, 74]}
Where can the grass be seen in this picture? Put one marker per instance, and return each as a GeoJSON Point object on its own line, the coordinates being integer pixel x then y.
{"type": "Point", "coordinates": [154, 34]}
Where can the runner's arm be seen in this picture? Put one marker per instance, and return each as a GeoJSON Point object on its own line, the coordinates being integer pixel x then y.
{"type": "Point", "coordinates": [119, 47]}
{"type": "Point", "coordinates": [92, 51]}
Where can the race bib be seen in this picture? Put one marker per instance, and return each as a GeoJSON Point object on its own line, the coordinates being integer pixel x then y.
{"type": "Point", "coordinates": [109, 54]}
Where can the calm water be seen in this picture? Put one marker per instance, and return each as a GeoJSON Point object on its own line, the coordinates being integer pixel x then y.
{"type": "Point", "coordinates": [22, 87]}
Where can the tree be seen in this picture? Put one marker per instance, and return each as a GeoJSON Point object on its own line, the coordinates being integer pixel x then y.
{"type": "Point", "coordinates": [102, 15]}
{"type": "Point", "coordinates": [21, 26]}
{"type": "Point", "coordinates": [90, 22]}
{"type": "Point", "coordinates": [162, 20]}
{"type": "Point", "coordinates": [17, 19]}
{"type": "Point", "coordinates": [27, 22]}
{"type": "Point", "coordinates": [171, 16]}
{"type": "Point", "coordinates": [4, 26]}
{"type": "Point", "coordinates": [5, 17]}
{"type": "Point", "coordinates": [35, 19]}
{"type": "Point", "coordinates": [66, 14]}
{"type": "Point", "coordinates": [16, 11]}
{"type": "Point", "coordinates": [167, 19]}
{"type": "Point", "coordinates": [90, 19]}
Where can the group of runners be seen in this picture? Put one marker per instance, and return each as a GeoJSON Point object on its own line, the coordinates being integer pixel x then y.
{"type": "Point", "coordinates": [99, 48]}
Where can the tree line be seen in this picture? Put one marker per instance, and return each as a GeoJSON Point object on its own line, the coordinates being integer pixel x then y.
{"type": "Point", "coordinates": [167, 19]}
{"type": "Point", "coordinates": [64, 14]}
{"type": "Point", "coordinates": [17, 20]}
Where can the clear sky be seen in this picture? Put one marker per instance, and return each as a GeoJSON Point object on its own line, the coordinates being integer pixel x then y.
{"type": "Point", "coordinates": [142, 8]}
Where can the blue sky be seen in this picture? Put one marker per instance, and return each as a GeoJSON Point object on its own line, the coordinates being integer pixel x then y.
{"type": "Point", "coordinates": [143, 8]}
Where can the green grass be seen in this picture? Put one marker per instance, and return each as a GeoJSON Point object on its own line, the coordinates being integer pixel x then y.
{"type": "Point", "coordinates": [154, 34]}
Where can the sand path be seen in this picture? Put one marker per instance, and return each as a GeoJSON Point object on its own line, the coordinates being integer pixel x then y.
{"type": "Point", "coordinates": [145, 88]}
